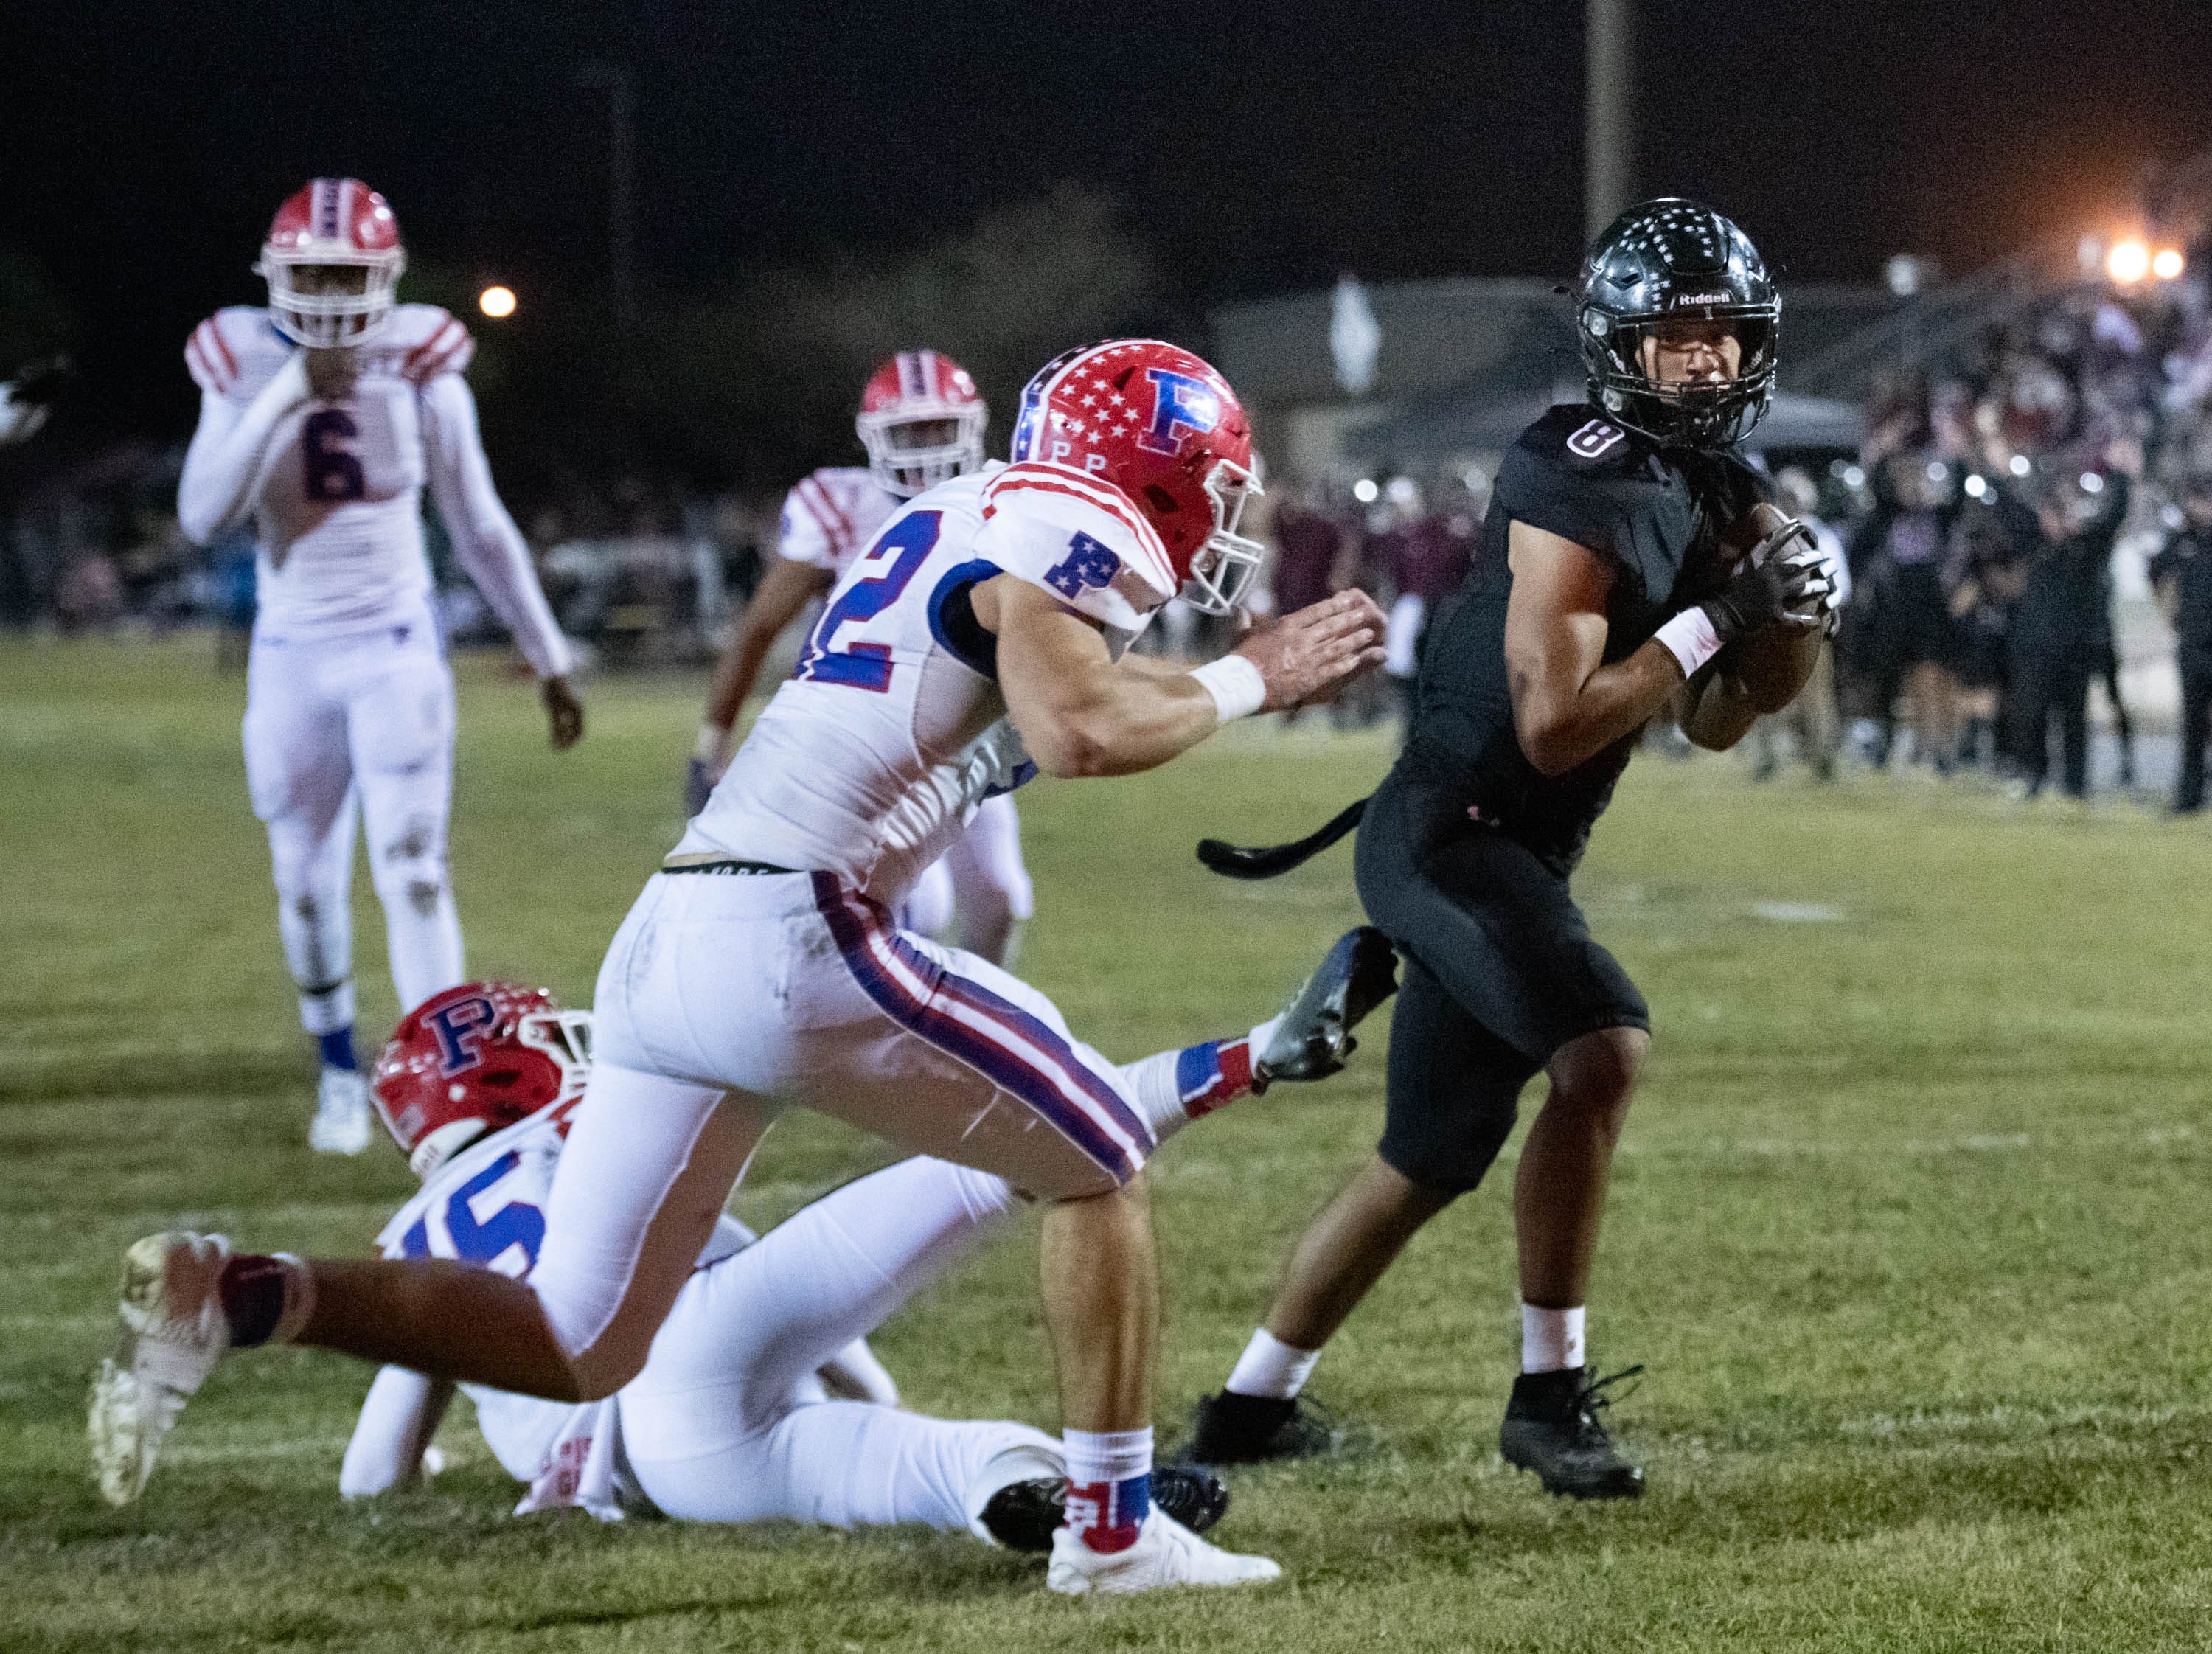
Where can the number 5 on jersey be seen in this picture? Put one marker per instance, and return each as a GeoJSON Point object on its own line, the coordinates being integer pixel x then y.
{"type": "Point", "coordinates": [866, 665]}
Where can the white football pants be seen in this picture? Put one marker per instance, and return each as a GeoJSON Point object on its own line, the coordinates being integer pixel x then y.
{"type": "Point", "coordinates": [334, 727]}
{"type": "Point", "coordinates": [728, 1421]}
{"type": "Point", "coordinates": [981, 881]}
{"type": "Point", "coordinates": [724, 996]}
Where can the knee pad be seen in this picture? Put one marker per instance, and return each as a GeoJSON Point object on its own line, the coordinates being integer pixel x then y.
{"type": "Point", "coordinates": [405, 874]}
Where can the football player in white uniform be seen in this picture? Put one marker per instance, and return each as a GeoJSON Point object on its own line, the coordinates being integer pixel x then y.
{"type": "Point", "coordinates": [922, 422]}
{"type": "Point", "coordinates": [322, 417]}
{"type": "Point", "coordinates": [981, 637]}
{"type": "Point", "coordinates": [761, 1398]}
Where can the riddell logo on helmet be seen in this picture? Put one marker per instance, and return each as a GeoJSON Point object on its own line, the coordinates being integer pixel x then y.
{"type": "Point", "coordinates": [1704, 298]}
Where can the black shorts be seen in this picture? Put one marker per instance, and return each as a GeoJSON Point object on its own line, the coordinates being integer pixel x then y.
{"type": "Point", "coordinates": [1916, 623]}
{"type": "Point", "coordinates": [1501, 971]}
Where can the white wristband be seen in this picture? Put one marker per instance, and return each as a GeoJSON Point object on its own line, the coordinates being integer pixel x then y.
{"type": "Point", "coordinates": [1690, 638]}
{"type": "Point", "coordinates": [1236, 686]}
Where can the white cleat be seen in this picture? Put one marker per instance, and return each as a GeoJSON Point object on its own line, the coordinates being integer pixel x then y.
{"type": "Point", "coordinates": [173, 1333]}
{"type": "Point", "coordinates": [341, 1113]}
{"type": "Point", "coordinates": [1166, 1553]}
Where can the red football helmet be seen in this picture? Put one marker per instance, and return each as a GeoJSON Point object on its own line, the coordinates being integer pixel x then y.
{"type": "Point", "coordinates": [922, 422]}
{"type": "Point", "coordinates": [1160, 426]}
{"type": "Point", "coordinates": [473, 1059]}
{"type": "Point", "coordinates": [333, 263]}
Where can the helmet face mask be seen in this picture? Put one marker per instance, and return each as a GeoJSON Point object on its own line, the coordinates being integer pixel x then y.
{"type": "Point", "coordinates": [922, 422]}
{"type": "Point", "coordinates": [1659, 266]}
{"type": "Point", "coordinates": [1228, 563]}
{"type": "Point", "coordinates": [332, 261]}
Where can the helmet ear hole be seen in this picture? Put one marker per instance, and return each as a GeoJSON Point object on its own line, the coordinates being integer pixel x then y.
{"type": "Point", "coordinates": [1160, 500]}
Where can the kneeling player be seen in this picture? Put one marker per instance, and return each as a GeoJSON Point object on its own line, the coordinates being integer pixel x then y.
{"type": "Point", "coordinates": [733, 1418]}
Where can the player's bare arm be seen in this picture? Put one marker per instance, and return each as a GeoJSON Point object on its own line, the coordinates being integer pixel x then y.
{"type": "Point", "coordinates": [488, 544]}
{"type": "Point", "coordinates": [398, 1423]}
{"type": "Point", "coordinates": [1568, 705]}
{"type": "Point", "coordinates": [1082, 713]}
{"type": "Point", "coordinates": [784, 592]}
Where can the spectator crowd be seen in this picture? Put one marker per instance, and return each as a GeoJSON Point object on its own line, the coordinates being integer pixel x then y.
{"type": "Point", "coordinates": [2001, 498]}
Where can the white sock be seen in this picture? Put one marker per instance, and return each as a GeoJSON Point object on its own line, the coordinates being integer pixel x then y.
{"type": "Point", "coordinates": [1271, 1367]}
{"type": "Point", "coordinates": [1551, 1339]}
{"type": "Point", "coordinates": [1095, 1456]}
{"type": "Point", "coordinates": [1151, 1082]}
{"type": "Point", "coordinates": [1260, 1035]}
{"type": "Point", "coordinates": [1109, 1485]}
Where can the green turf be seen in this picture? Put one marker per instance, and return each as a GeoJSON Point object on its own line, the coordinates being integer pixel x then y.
{"type": "Point", "coordinates": [1908, 1224]}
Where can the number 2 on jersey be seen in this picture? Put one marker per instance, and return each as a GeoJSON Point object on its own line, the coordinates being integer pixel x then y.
{"type": "Point", "coordinates": [868, 666]}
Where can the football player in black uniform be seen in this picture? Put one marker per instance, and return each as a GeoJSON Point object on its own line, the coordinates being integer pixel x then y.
{"type": "Point", "coordinates": [1642, 572]}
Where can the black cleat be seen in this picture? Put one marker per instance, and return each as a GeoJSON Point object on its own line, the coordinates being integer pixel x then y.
{"type": "Point", "coordinates": [1023, 1516]}
{"type": "Point", "coordinates": [1313, 1037]}
{"type": "Point", "coordinates": [1233, 1429]}
{"type": "Point", "coordinates": [1551, 1428]}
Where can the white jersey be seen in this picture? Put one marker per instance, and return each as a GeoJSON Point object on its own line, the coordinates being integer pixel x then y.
{"type": "Point", "coordinates": [335, 485]}
{"type": "Point", "coordinates": [870, 760]}
{"type": "Point", "coordinates": [486, 1206]}
{"type": "Point", "coordinates": [832, 515]}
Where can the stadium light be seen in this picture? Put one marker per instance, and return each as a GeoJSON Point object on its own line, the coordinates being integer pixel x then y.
{"type": "Point", "coordinates": [1364, 490]}
{"type": "Point", "coordinates": [2167, 264]}
{"type": "Point", "coordinates": [2020, 464]}
{"type": "Point", "coordinates": [496, 302]}
{"type": "Point", "coordinates": [2128, 262]}
{"type": "Point", "coordinates": [1976, 487]}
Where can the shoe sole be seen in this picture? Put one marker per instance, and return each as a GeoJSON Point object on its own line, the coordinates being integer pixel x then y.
{"type": "Point", "coordinates": [1069, 1582]}
{"type": "Point", "coordinates": [1586, 1495]}
{"type": "Point", "coordinates": [116, 1420]}
{"type": "Point", "coordinates": [116, 1426]}
{"type": "Point", "coordinates": [126, 1434]}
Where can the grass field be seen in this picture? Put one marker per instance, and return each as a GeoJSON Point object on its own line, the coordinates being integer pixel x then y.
{"type": "Point", "coordinates": [1910, 1223]}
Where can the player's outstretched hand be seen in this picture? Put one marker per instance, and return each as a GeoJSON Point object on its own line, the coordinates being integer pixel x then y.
{"type": "Point", "coordinates": [1310, 654]}
{"type": "Point", "coordinates": [564, 714]}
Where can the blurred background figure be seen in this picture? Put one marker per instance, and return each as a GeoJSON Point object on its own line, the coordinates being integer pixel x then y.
{"type": "Point", "coordinates": [2062, 630]}
{"type": "Point", "coordinates": [1910, 645]}
{"type": "Point", "coordinates": [1421, 558]}
{"type": "Point", "coordinates": [2181, 575]}
{"type": "Point", "coordinates": [1813, 721]}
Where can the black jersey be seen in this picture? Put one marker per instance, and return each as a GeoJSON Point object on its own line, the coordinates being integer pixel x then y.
{"type": "Point", "coordinates": [1656, 515]}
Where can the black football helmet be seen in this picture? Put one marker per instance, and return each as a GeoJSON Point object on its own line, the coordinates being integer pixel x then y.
{"type": "Point", "coordinates": [1675, 260]}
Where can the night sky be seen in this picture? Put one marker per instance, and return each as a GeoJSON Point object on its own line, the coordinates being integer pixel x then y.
{"type": "Point", "coordinates": [1258, 147]}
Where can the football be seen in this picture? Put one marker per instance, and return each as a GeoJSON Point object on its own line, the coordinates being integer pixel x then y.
{"type": "Point", "coordinates": [1771, 666]}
